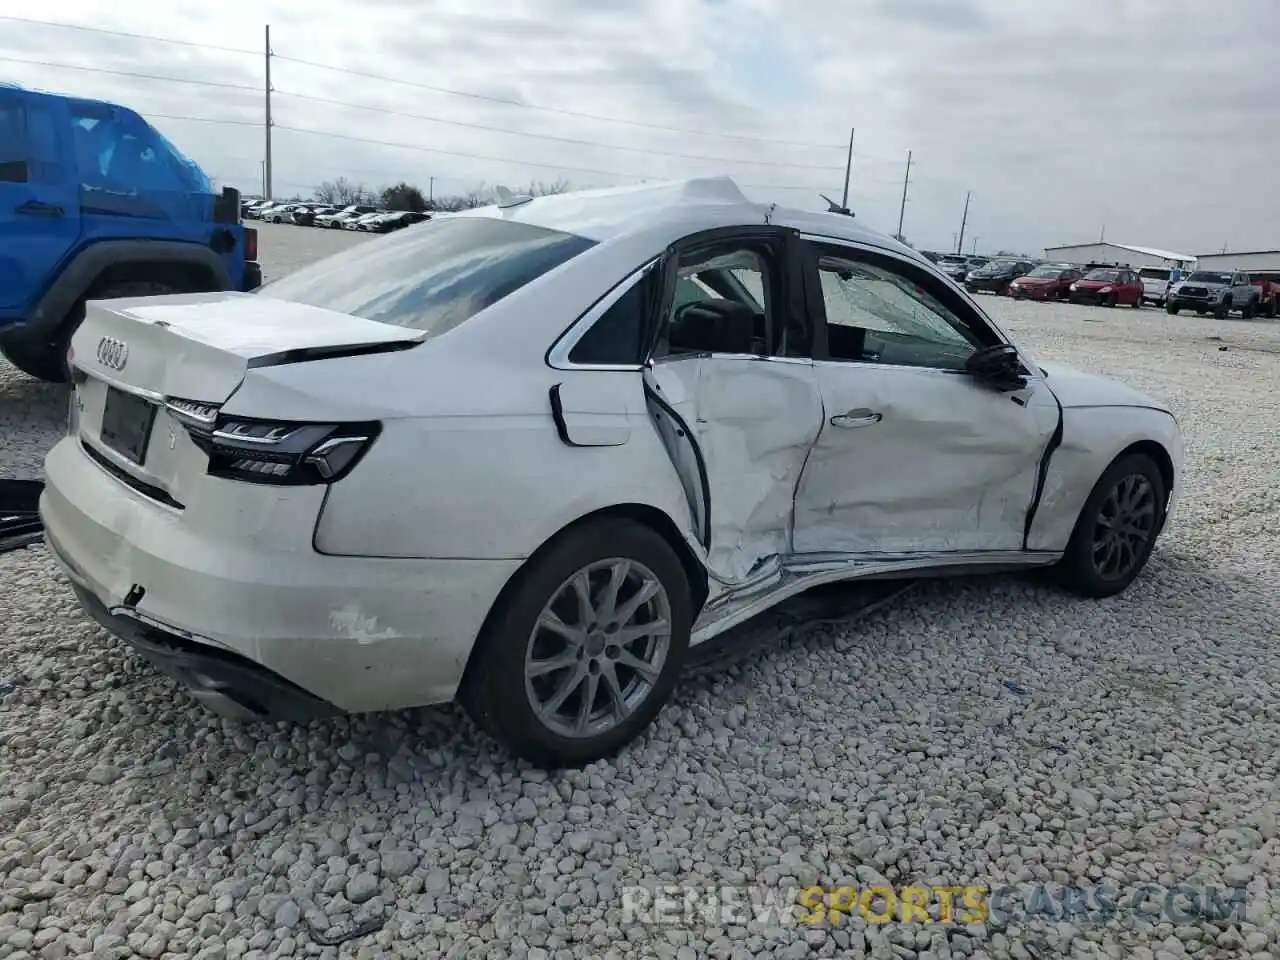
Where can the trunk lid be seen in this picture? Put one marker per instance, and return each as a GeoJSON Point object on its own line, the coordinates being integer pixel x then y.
{"type": "Point", "coordinates": [199, 345]}
{"type": "Point", "coordinates": [133, 356]}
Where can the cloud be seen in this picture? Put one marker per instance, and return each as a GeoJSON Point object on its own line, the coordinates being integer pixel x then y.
{"type": "Point", "coordinates": [1161, 121]}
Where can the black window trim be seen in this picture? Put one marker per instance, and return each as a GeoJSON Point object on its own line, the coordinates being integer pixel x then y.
{"type": "Point", "coordinates": [945, 290]}
{"type": "Point", "coordinates": [558, 354]}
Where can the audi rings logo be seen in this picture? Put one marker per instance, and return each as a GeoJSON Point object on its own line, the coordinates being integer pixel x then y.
{"type": "Point", "coordinates": [112, 353]}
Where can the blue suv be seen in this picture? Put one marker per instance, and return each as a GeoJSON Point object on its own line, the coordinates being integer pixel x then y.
{"type": "Point", "coordinates": [95, 204]}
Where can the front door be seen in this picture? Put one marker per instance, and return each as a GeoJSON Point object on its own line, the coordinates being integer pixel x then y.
{"type": "Point", "coordinates": [914, 455]}
{"type": "Point", "coordinates": [39, 207]}
{"type": "Point", "coordinates": [733, 393]}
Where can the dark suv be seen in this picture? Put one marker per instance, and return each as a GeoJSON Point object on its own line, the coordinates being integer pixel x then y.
{"type": "Point", "coordinates": [997, 275]}
{"type": "Point", "coordinates": [96, 204]}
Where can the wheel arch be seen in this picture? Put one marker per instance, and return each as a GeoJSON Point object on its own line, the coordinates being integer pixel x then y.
{"type": "Point", "coordinates": [1089, 449]}
{"type": "Point", "coordinates": [1158, 454]}
{"type": "Point", "coordinates": [117, 261]}
{"type": "Point", "coordinates": [643, 514]}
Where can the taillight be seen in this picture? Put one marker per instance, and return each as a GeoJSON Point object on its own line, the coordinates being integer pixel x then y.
{"type": "Point", "coordinates": [270, 451]}
{"type": "Point", "coordinates": [250, 243]}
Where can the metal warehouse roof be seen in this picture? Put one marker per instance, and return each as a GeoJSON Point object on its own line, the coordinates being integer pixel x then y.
{"type": "Point", "coordinates": [1149, 251]}
{"type": "Point", "coordinates": [1240, 253]}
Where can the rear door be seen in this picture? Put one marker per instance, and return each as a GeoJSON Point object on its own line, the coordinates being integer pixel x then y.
{"type": "Point", "coordinates": [731, 388]}
{"type": "Point", "coordinates": [39, 207]}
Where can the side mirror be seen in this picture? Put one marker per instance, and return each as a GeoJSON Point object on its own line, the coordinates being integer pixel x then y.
{"type": "Point", "coordinates": [999, 367]}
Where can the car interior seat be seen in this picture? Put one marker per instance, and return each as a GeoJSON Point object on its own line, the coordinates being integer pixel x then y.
{"type": "Point", "coordinates": [717, 326]}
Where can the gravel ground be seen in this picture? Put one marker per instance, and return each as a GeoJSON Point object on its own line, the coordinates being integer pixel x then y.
{"type": "Point", "coordinates": [990, 731]}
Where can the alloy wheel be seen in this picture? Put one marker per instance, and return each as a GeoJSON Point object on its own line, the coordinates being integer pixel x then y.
{"type": "Point", "coordinates": [1124, 526]}
{"type": "Point", "coordinates": [598, 648]}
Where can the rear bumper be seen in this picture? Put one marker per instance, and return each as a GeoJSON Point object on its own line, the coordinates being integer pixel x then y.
{"type": "Point", "coordinates": [235, 574]}
{"type": "Point", "coordinates": [227, 684]}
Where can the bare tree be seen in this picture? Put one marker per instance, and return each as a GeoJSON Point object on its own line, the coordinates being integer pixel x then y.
{"type": "Point", "coordinates": [342, 192]}
{"type": "Point", "coordinates": [538, 188]}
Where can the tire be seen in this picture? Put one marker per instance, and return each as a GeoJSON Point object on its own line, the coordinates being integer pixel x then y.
{"type": "Point", "coordinates": [1222, 310]}
{"type": "Point", "coordinates": [1172, 309]}
{"type": "Point", "coordinates": [499, 695]}
{"type": "Point", "coordinates": [1078, 570]}
{"type": "Point", "coordinates": [48, 361]}
{"type": "Point", "coordinates": [1249, 310]}
{"type": "Point", "coordinates": [1137, 302]}
{"type": "Point", "coordinates": [36, 360]}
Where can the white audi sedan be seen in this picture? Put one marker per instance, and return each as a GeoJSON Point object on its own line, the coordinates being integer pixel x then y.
{"type": "Point", "coordinates": [527, 456]}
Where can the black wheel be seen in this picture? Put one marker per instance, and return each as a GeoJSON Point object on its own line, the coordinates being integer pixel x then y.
{"type": "Point", "coordinates": [1137, 302]}
{"type": "Point", "coordinates": [584, 648]}
{"type": "Point", "coordinates": [1222, 309]}
{"type": "Point", "coordinates": [1116, 530]}
{"type": "Point", "coordinates": [1172, 309]}
{"type": "Point", "coordinates": [1109, 300]}
{"type": "Point", "coordinates": [1249, 310]}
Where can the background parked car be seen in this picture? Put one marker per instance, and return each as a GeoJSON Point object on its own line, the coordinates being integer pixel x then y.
{"type": "Point", "coordinates": [1155, 284]}
{"type": "Point", "coordinates": [398, 221]}
{"type": "Point", "coordinates": [354, 222]}
{"type": "Point", "coordinates": [306, 216]}
{"type": "Point", "coordinates": [996, 276]}
{"type": "Point", "coordinates": [1215, 291]}
{"type": "Point", "coordinates": [1108, 287]}
{"type": "Point", "coordinates": [280, 214]}
{"type": "Point", "coordinates": [1049, 281]}
{"type": "Point", "coordinates": [957, 266]}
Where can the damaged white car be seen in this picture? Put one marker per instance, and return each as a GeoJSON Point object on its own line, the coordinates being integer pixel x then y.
{"type": "Point", "coordinates": [526, 456]}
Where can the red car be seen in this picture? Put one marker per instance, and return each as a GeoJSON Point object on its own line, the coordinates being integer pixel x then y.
{"type": "Point", "coordinates": [1108, 287]}
{"type": "Point", "coordinates": [1049, 281]}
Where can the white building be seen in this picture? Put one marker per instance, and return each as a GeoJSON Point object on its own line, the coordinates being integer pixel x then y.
{"type": "Point", "coordinates": [1262, 262]}
{"type": "Point", "coordinates": [1120, 253]}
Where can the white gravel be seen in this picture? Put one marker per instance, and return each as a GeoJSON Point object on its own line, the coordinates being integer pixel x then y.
{"type": "Point", "coordinates": [1144, 747]}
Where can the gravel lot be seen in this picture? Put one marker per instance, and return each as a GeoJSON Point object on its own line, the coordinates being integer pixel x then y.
{"type": "Point", "coordinates": [1137, 743]}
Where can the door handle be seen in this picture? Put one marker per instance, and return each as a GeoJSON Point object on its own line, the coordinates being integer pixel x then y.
{"type": "Point", "coordinates": [34, 208]}
{"type": "Point", "coordinates": [856, 418]}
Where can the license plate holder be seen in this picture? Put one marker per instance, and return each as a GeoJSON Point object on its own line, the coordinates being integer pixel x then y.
{"type": "Point", "coordinates": [126, 424]}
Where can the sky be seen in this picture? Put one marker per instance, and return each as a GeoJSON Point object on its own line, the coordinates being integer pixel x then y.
{"type": "Point", "coordinates": [1156, 121]}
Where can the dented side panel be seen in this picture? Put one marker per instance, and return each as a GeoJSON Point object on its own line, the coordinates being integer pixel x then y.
{"type": "Point", "coordinates": [753, 422]}
{"type": "Point", "coordinates": [929, 461]}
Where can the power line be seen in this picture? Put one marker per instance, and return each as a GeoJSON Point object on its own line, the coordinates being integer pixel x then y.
{"type": "Point", "coordinates": [551, 137]}
{"type": "Point", "coordinates": [129, 73]}
{"type": "Point", "coordinates": [171, 116]}
{"type": "Point", "coordinates": [507, 101]}
{"type": "Point", "coordinates": [457, 153]}
{"type": "Point", "coordinates": [125, 34]}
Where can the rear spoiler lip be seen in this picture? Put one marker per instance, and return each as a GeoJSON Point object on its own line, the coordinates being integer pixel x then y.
{"type": "Point", "coordinates": [309, 354]}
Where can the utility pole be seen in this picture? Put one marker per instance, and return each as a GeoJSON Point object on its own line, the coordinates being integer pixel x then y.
{"type": "Point", "coordinates": [263, 165]}
{"type": "Point", "coordinates": [431, 190]}
{"type": "Point", "coordinates": [902, 212]}
{"type": "Point", "coordinates": [964, 219]}
{"type": "Point", "coordinates": [266, 163]}
{"type": "Point", "coordinates": [848, 169]}
{"type": "Point", "coordinates": [975, 245]}
{"type": "Point", "coordinates": [1102, 237]}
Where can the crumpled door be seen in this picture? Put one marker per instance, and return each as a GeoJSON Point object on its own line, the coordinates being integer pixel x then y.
{"type": "Point", "coordinates": [738, 431]}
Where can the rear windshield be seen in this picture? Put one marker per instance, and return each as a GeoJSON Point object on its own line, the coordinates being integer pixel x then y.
{"type": "Point", "coordinates": [434, 276]}
{"type": "Point", "coordinates": [1153, 273]}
